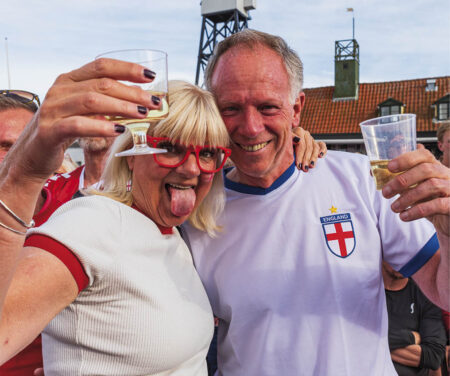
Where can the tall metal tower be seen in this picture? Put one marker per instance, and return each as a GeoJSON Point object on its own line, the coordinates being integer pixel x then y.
{"type": "Point", "coordinates": [220, 18]}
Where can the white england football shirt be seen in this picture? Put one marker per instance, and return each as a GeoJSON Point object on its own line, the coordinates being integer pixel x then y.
{"type": "Point", "coordinates": [295, 276]}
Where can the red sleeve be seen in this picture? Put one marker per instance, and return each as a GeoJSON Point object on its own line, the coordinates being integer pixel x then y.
{"type": "Point", "coordinates": [64, 254]}
{"type": "Point", "coordinates": [57, 191]}
{"type": "Point", "coordinates": [25, 362]}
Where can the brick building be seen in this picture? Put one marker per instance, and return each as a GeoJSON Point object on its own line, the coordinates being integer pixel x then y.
{"type": "Point", "coordinates": [333, 113]}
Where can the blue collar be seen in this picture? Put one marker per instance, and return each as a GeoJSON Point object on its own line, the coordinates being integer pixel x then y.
{"type": "Point", "coordinates": [243, 188]}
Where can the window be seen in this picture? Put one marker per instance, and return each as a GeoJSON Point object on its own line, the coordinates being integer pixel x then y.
{"type": "Point", "coordinates": [442, 108]}
{"type": "Point", "coordinates": [431, 85]}
{"type": "Point", "coordinates": [390, 107]}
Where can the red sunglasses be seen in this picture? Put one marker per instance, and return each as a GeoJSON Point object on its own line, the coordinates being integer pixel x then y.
{"type": "Point", "coordinates": [210, 159]}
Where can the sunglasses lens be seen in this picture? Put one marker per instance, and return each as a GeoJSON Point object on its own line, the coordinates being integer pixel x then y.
{"type": "Point", "coordinates": [21, 96]}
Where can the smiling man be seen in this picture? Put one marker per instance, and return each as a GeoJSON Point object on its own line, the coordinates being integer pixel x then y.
{"type": "Point", "coordinates": [295, 277]}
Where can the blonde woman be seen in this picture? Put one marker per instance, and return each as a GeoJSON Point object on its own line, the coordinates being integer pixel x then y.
{"type": "Point", "coordinates": [108, 276]}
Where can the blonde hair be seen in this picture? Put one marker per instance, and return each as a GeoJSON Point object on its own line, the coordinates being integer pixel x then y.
{"type": "Point", "coordinates": [193, 120]}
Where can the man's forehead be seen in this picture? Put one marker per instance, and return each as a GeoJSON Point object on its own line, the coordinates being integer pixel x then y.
{"type": "Point", "coordinates": [242, 69]}
{"type": "Point", "coordinates": [14, 120]}
{"type": "Point", "coordinates": [238, 55]}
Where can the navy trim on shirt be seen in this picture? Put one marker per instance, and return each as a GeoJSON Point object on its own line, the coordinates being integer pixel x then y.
{"type": "Point", "coordinates": [243, 188]}
{"type": "Point", "coordinates": [421, 258]}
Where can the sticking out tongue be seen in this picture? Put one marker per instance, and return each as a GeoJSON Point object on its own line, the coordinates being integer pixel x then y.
{"type": "Point", "coordinates": [182, 201]}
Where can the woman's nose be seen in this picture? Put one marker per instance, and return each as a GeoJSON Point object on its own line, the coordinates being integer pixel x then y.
{"type": "Point", "coordinates": [190, 166]}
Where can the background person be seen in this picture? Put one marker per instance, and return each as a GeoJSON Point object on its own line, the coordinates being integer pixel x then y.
{"type": "Point", "coordinates": [443, 136]}
{"type": "Point", "coordinates": [416, 333]}
{"type": "Point", "coordinates": [295, 277]}
{"type": "Point", "coordinates": [63, 187]}
{"type": "Point", "coordinates": [15, 113]}
{"type": "Point", "coordinates": [122, 246]}
{"type": "Point", "coordinates": [16, 110]}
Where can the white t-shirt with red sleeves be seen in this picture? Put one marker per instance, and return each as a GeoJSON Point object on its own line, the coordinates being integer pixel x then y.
{"type": "Point", "coordinates": [141, 309]}
{"type": "Point", "coordinates": [295, 276]}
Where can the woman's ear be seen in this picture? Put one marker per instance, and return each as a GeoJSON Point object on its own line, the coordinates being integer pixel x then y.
{"type": "Point", "coordinates": [130, 162]}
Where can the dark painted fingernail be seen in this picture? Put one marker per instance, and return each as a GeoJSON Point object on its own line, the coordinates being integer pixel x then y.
{"type": "Point", "coordinates": [141, 109]}
{"type": "Point", "coordinates": [311, 164]}
{"type": "Point", "coordinates": [306, 168]}
{"type": "Point", "coordinates": [296, 139]}
{"type": "Point", "coordinates": [300, 166]}
{"type": "Point", "coordinates": [321, 154]}
{"type": "Point", "coordinates": [118, 128]}
{"type": "Point", "coordinates": [156, 100]}
{"type": "Point", "coordinates": [149, 74]}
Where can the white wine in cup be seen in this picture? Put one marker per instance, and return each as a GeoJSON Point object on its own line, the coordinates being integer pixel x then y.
{"type": "Point", "coordinates": [155, 61]}
{"type": "Point", "coordinates": [385, 138]}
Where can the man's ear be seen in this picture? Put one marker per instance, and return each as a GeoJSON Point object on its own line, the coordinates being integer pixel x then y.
{"type": "Point", "coordinates": [440, 146]}
{"type": "Point", "coordinates": [298, 106]}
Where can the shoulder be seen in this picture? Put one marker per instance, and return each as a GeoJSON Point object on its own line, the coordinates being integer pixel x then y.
{"type": "Point", "coordinates": [93, 228]}
{"type": "Point", "coordinates": [94, 214]}
{"type": "Point", "coordinates": [59, 180]}
{"type": "Point", "coordinates": [84, 214]}
{"type": "Point", "coordinates": [349, 170]}
{"type": "Point", "coordinates": [340, 158]}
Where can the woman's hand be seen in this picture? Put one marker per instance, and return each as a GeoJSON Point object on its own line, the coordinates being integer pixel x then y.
{"type": "Point", "coordinates": [69, 110]}
{"type": "Point", "coordinates": [306, 149]}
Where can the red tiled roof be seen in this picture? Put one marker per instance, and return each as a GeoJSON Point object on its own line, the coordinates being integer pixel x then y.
{"type": "Point", "coordinates": [323, 115]}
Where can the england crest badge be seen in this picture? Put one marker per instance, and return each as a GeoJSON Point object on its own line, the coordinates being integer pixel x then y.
{"type": "Point", "coordinates": [339, 234]}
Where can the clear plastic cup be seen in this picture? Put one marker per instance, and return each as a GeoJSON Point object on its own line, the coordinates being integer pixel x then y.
{"type": "Point", "coordinates": [385, 138]}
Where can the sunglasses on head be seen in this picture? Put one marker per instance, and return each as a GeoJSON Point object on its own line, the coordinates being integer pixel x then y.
{"type": "Point", "coordinates": [22, 96]}
{"type": "Point", "coordinates": [210, 159]}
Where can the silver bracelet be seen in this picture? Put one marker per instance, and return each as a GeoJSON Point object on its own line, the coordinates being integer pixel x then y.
{"type": "Point", "coordinates": [17, 218]}
{"type": "Point", "coordinates": [13, 230]}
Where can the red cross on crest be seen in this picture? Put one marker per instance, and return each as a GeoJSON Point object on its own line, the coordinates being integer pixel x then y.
{"type": "Point", "coordinates": [339, 234]}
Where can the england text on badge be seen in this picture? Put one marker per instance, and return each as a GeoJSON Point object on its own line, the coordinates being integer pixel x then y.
{"type": "Point", "coordinates": [339, 234]}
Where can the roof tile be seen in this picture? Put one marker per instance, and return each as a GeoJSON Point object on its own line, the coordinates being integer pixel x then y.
{"type": "Point", "coordinates": [323, 115]}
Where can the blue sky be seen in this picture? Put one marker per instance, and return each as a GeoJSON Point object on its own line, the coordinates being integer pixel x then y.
{"type": "Point", "coordinates": [399, 39]}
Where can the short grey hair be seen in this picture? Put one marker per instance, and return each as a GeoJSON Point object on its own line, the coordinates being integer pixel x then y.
{"type": "Point", "coordinates": [11, 103]}
{"type": "Point", "coordinates": [251, 38]}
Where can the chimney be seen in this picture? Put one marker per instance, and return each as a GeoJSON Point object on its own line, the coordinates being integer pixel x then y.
{"type": "Point", "coordinates": [346, 69]}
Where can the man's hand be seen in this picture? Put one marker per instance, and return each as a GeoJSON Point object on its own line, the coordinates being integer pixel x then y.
{"type": "Point", "coordinates": [306, 149]}
{"type": "Point", "coordinates": [424, 189]}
